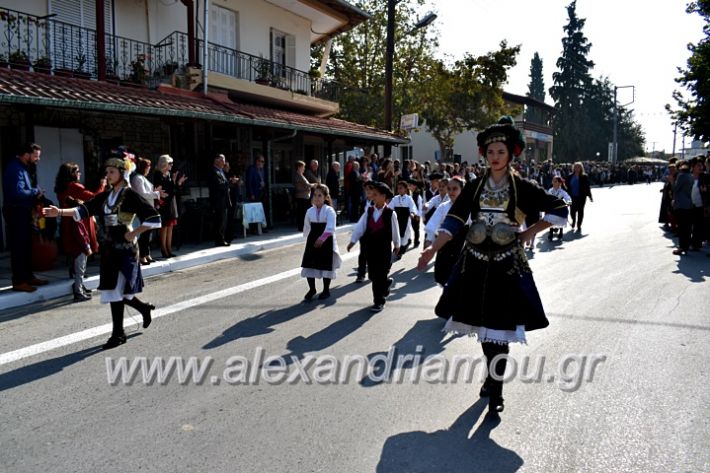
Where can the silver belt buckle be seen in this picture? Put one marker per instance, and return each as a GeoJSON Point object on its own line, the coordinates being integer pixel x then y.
{"type": "Point", "coordinates": [111, 220]}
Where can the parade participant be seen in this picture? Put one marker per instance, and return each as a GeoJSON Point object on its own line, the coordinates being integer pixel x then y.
{"type": "Point", "coordinates": [362, 257]}
{"type": "Point", "coordinates": [120, 275]}
{"type": "Point", "coordinates": [683, 207]}
{"type": "Point", "coordinates": [78, 238]}
{"type": "Point", "coordinates": [431, 205]}
{"type": "Point", "coordinates": [321, 257]}
{"type": "Point", "coordinates": [579, 189]}
{"type": "Point", "coordinates": [446, 257]}
{"type": "Point", "coordinates": [406, 210]}
{"type": "Point", "coordinates": [560, 193]}
{"type": "Point", "coordinates": [414, 189]}
{"type": "Point", "coordinates": [379, 230]}
{"type": "Point", "coordinates": [433, 189]}
{"type": "Point", "coordinates": [491, 293]}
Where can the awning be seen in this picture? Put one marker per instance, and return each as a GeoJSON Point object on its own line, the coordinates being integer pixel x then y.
{"type": "Point", "coordinates": [32, 88]}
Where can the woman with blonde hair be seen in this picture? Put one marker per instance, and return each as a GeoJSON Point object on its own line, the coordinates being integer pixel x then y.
{"type": "Point", "coordinates": [169, 182]}
{"type": "Point", "coordinates": [579, 190]}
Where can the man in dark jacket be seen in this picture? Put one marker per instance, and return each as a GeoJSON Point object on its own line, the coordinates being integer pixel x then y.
{"type": "Point", "coordinates": [219, 199]}
{"type": "Point", "coordinates": [332, 180]}
{"type": "Point", "coordinates": [683, 206]}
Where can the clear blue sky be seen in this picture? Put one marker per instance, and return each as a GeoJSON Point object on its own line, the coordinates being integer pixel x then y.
{"type": "Point", "coordinates": [634, 42]}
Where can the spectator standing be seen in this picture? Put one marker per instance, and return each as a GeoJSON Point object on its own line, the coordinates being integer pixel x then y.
{"type": "Point", "coordinates": [311, 173]}
{"type": "Point", "coordinates": [169, 182]}
{"type": "Point", "coordinates": [332, 180]}
{"type": "Point", "coordinates": [579, 190]}
{"type": "Point", "coordinates": [20, 196]}
{"type": "Point", "coordinates": [303, 193]}
{"type": "Point", "coordinates": [683, 207]}
{"type": "Point", "coordinates": [220, 199]}
{"type": "Point", "coordinates": [142, 185]}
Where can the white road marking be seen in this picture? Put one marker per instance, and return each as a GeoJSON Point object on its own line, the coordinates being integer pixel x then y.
{"type": "Point", "coordinates": [76, 337]}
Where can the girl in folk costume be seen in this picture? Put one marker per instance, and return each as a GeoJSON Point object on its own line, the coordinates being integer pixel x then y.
{"type": "Point", "coordinates": [560, 193]}
{"type": "Point", "coordinates": [406, 210]}
{"type": "Point", "coordinates": [431, 205]}
{"type": "Point", "coordinates": [414, 189]}
{"type": "Point", "coordinates": [491, 293]}
{"type": "Point", "coordinates": [78, 238]}
{"type": "Point", "coordinates": [378, 229]}
{"type": "Point", "coordinates": [321, 257]}
{"type": "Point", "coordinates": [120, 276]}
{"type": "Point", "coordinates": [446, 257]}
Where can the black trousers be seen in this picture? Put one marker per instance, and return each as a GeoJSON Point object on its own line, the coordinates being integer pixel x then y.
{"type": "Point", "coordinates": [415, 226]}
{"type": "Point", "coordinates": [301, 209]}
{"type": "Point", "coordinates": [378, 270]}
{"type": "Point", "coordinates": [684, 217]}
{"type": "Point", "coordinates": [18, 223]}
{"type": "Point", "coordinates": [362, 261]}
{"type": "Point", "coordinates": [697, 232]}
{"type": "Point", "coordinates": [577, 210]}
{"type": "Point", "coordinates": [144, 243]}
{"type": "Point", "coordinates": [220, 224]}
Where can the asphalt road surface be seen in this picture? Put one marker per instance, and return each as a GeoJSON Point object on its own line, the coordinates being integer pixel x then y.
{"type": "Point", "coordinates": [630, 325]}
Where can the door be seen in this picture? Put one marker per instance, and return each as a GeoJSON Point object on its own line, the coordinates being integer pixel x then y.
{"type": "Point", "coordinates": [224, 33]}
{"type": "Point", "coordinates": [59, 145]}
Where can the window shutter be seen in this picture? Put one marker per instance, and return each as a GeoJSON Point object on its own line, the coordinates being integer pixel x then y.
{"type": "Point", "coordinates": [290, 51]}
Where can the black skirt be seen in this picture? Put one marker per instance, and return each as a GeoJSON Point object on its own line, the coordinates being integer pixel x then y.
{"type": "Point", "coordinates": [493, 288]}
{"type": "Point", "coordinates": [447, 256]}
{"type": "Point", "coordinates": [318, 258]}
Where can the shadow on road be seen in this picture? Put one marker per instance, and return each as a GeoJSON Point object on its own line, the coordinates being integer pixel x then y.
{"type": "Point", "coordinates": [424, 339]}
{"type": "Point", "coordinates": [450, 450]}
{"type": "Point", "coordinates": [264, 323]}
{"type": "Point", "coordinates": [328, 336]}
{"type": "Point", "coordinates": [695, 266]}
{"type": "Point", "coordinates": [45, 368]}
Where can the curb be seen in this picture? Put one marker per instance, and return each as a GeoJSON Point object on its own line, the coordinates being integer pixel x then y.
{"type": "Point", "coordinates": [200, 257]}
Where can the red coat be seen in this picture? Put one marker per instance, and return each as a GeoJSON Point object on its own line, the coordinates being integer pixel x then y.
{"type": "Point", "coordinates": [73, 238]}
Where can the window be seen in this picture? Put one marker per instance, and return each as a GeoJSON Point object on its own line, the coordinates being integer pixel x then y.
{"type": "Point", "coordinates": [224, 31]}
{"type": "Point", "coordinates": [283, 53]}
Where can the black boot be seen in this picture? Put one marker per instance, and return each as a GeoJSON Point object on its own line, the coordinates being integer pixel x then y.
{"type": "Point", "coordinates": [326, 289]}
{"type": "Point", "coordinates": [79, 294]}
{"type": "Point", "coordinates": [497, 367]}
{"type": "Point", "coordinates": [141, 307]}
{"type": "Point", "coordinates": [118, 336]}
{"type": "Point", "coordinates": [312, 289]}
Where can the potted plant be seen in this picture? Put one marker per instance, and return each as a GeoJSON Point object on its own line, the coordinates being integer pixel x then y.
{"type": "Point", "coordinates": [170, 67]}
{"type": "Point", "coordinates": [138, 70]}
{"type": "Point", "coordinates": [19, 60]}
{"type": "Point", "coordinates": [263, 71]}
{"type": "Point", "coordinates": [43, 65]}
{"type": "Point", "coordinates": [79, 69]}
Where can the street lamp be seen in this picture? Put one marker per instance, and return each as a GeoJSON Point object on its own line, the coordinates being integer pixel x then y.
{"type": "Point", "coordinates": [389, 61]}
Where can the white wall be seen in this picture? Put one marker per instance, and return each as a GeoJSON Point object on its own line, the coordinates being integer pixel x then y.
{"type": "Point", "coordinates": [256, 18]}
{"type": "Point", "coordinates": [424, 146]}
{"type": "Point", "coordinates": [32, 7]}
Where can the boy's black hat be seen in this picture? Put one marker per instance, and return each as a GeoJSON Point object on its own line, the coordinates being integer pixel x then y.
{"type": "Point", "coordinates": [383, 188]}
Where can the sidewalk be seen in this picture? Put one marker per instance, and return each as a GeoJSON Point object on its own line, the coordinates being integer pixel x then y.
{"type": "Point", "coordinates": [189, 256]}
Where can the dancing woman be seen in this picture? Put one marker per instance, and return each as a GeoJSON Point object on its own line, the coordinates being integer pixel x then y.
{"type": "Point", "coordinates": [491, 294]}
{"type": "Point", "coordinates": [120, 276]}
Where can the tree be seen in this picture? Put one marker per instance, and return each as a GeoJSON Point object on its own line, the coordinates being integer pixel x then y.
{"type": "Point", "coordinates": [693, 114]}
{"type": "Point", "coordinates": [571, 85]}
{"type": "Point", "coordinates": [357, 63]}
{"type": "Point", "coordinates": [467, 96]}
{"type": "Point", "coordinates": [536, 89]}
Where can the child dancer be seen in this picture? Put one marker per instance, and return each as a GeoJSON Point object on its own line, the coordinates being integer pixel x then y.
{"type": "Point", "coordinates": [362, 257]}
{"type": "Point", "coordinates": [560, 193]}
{"type": "Point", "coordinates": [379, 230]}
{"type": "Point", "coordinates": [404, 207]}
{"type": "Point", "coordinates": [437, 200]}
{"type": "Point", "coordinates": [321, 257]}
{"type": "Point", "coordinates": [414, 189]}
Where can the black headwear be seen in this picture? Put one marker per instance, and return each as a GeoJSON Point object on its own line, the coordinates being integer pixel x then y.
{"type": "Point", "coordinates": [383, 188]}
{"type": "Point", "coordinates": [504, 132]}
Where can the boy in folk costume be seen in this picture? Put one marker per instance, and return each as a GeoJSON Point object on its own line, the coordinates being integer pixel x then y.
{"type": "Point", "coordinates": [362, 257]}
{"type": "Point", "coordinates": [378, 228]}
{"type": "Point", "coordinates": [414, 189]}
{"type": "Point", "coordinates": [403, 205]}
{"type": "Point", "coordinates": [321, 257]}
{"type": "Point", "coordinates": [560, 193]}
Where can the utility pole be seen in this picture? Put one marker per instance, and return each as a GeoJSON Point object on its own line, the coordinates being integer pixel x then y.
{"type": "Point", "coordinates": [615, 151]}
{"type": "Point", "coordinates": [675, 132]}
{"type": "Point", "coordinates": [389, 65]}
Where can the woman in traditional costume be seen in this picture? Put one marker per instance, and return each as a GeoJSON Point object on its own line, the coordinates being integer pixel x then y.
{"type": "Point", "coordinates": [491, 294]}
{"type": "Point", "coordinates": [120, 275]}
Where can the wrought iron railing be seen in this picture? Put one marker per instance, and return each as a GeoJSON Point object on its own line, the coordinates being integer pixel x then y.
{"type": "Point", "coordinates": [46, 45]}
{"type": "Point", "coordinates": [246, 66]}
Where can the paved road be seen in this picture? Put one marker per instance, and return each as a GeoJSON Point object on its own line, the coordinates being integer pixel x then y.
{"type": "Point", "coordinates": [615, 293]}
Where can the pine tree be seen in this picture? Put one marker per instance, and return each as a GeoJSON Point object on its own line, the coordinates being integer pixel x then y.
{"type": "Point", "coordinates": [536, 88]}
{"type": "Point", "coordinates": [572, 83]}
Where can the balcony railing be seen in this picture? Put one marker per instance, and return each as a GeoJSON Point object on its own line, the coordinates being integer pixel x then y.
{"type": "Point", "coordinates": [44, 45]}
{"type": "Point", "coordinates": [49, 46]}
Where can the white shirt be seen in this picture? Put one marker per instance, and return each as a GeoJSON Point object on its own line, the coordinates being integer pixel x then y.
{"type": "Point", "coordinates": [361, 226]}
{"type": "Point", "coordinates": [407, 202]}
{"type": "Point", "coordinates": [144, 187]}
{"type": "Point", "coordinates": [434, 202]}
{"type": "Point", "coordinates": [325, 214]}
{"type": "Point", "coordinates": [695, 196]}
{"type": "Point", "coordinates": [560, 194]}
